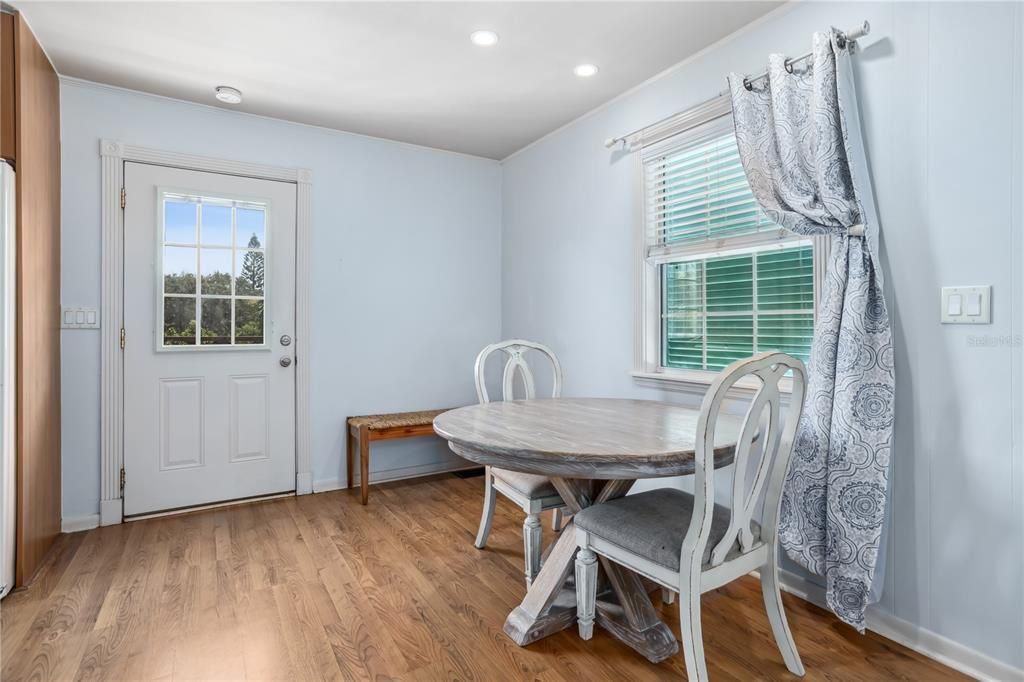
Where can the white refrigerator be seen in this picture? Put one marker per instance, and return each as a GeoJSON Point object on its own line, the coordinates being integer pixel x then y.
{"type": "Point", "coordinates": [7, 386]}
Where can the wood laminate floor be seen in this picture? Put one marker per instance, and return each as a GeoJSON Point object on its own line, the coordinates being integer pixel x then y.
{"type": "Point", "coordinates": [320, 587]}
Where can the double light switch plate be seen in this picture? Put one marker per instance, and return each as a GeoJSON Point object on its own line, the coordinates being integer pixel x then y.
{"type": "Point", "coordinates": [967, 305]}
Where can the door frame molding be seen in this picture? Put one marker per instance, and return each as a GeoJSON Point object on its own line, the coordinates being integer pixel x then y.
{"type": "Point", "coordinates": [113, 155]}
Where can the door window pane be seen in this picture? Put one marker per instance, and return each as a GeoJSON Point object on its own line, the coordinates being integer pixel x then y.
{"type": "Point", "coordinates": [249, 266]}
{"type": "Point", "coordinates": [248, 321]}
{"type": "Point", "coordinates": [179, 270]}
{"type": "Point", "coordinates": [215, 267]}
{"type": "Point", "coordinates": [216, 321]}
{"type": "Point", "coordinates": [179, 321]}
{"type": "Point", "coordinates": [215, 225]}
{"type": "Point", "coordinates": [213, 276]}
{"type": "Point", "coordinates": [179, 222]}
{"type": "Point", "coordinates": [252, 230]}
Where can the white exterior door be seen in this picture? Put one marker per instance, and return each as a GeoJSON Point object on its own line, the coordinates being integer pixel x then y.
{"type": "Point", "coordinates": [209, 315]}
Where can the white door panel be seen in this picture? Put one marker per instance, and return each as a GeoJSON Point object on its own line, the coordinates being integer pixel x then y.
{"type": "Point", "coordinates": [209, 292]}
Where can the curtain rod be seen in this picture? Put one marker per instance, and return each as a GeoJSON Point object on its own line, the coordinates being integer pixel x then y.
{"type": "Point", "coordinates": [847, 38]}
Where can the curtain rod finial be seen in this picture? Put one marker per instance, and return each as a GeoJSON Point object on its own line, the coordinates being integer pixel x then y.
{"type": "Point", "coordinates": [859, 32]}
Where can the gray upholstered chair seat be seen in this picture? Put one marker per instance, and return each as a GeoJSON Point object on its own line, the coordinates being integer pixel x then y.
{"type": "Point", "coordinates": [653, 525]}
{"type": "Point", "coordinates": [530, 485]}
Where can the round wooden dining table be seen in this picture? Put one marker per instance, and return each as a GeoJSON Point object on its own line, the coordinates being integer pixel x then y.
{"type": "Point", "coordinates": [593, 450]}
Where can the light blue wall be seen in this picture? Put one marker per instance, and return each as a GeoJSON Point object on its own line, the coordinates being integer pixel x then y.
{"type": "Point", "coordinates": [405, 269]}
{"type": "Point", "coordinates": [940, 89]}
{"type": "Point", "coordinates": [413, 249]}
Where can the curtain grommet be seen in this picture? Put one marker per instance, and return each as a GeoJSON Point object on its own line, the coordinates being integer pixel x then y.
{"type": "Point", "coordinates": [789, 65]}
{"type": "Point", "coordinates": [748, 85]}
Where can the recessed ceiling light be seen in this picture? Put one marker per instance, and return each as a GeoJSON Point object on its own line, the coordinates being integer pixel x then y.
{"type": "Point", "coordinates": [484, 38]}
{"type": "Point", "coordinates": [585, 70]}
{"type": "Point", "coordinates": [228, 95]}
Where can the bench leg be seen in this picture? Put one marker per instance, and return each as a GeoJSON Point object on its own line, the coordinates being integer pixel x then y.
{"type": "Point", "coordinates": [364, 463]}
{"type": "Point", "coordinates": [348, 457]}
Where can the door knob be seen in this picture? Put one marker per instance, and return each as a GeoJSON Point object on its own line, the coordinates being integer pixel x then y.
{"type": "Point", "coordinates": [286, 361]}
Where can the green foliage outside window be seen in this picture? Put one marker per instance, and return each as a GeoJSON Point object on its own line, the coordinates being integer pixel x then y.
{"type": "Point", "coordinates": [215, 312]}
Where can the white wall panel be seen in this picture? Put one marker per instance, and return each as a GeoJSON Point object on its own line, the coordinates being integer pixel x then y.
{"type": "Point", "coordinates": [405, 283]}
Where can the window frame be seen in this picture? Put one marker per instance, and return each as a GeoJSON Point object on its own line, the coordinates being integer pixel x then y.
{"type": "Point", "coordinates": [648, 368]}
{"type": "Point", "coordinates": [236, 201]}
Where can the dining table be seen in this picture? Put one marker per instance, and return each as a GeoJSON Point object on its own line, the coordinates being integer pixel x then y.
{"type": "Point", "coordinates": [593, 450]}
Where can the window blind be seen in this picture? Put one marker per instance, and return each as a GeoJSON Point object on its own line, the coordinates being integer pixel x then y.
{"type": "Point", "coordinates": [717, 310]}
{"type": "Point", "coordinates": [732, 282]}
{"type": "Point", "coordinates": [696, 191]}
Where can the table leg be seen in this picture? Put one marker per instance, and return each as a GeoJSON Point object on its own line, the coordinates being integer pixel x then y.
{"type": "Point", "coordinates": [548, 606]}
{"type": "Point", "coordinates": [349, 454]}
{"type": "Point", "coordinates": [364, 464]}
{"type": "Point", "coordinates": [625, 610]}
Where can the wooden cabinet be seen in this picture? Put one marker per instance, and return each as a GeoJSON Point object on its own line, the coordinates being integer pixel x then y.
{"type": "Point", "coordinates": [6, 86]}
{"type": "Point", "coordinates": [31, 97]}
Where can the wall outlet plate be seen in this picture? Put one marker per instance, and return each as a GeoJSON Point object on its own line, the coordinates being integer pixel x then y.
{"type": "Point", "coordinates": [967, 305]}
{"type": "Point", "coordinates": [78, 317]}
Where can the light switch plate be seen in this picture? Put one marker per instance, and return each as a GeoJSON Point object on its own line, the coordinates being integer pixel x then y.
{"type": "Point", "coordinates": [79, 317]}
{"type": "Point", "coordinates": [967, 305]}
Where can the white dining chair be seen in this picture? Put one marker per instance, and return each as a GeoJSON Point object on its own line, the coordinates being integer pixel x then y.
{"type": "Point", "coordinates": [687, 543]}
{"type": "Point", "coordinates": [533, 494]}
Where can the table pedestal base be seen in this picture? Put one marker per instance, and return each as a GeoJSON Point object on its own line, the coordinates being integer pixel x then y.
{"type": "Point", "coordinates": [656, 643]}
{"type": "Point", "coordinates": [623, 608]}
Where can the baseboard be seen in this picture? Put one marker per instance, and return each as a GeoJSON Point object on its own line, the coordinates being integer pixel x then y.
{"type": "Point", "coordinates": [925, 642]}
{"type": "Point", "coordinates": [326, 484]}
{"type": "Point", "coordinates": [75, 524]}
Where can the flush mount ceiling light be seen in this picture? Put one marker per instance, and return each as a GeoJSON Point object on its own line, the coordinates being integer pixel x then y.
{"type": "Point", "coordinates": [585, 70]}
{"type": "Point", "coordinates": [228, 95]}
{"type": "Point", "coordinates": [484, 38]}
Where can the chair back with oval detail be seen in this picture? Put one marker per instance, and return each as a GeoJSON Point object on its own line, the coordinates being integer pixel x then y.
{"type": "Point", "coordinates": [688, 544]}
{"type": "Point", "coordinates": [772, 433]}
{"type": "Point", "coordinates": [516, 365]}
{"type": "Point", "coordinates": [532, 493]}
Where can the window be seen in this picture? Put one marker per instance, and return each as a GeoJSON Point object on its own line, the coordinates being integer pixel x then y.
{"type": "Point", "coordinates": [720, 280]}
{"type": "Point", "coordinates": [213, 260]}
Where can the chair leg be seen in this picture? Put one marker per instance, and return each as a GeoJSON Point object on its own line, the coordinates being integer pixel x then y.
{"type": "Point", "coordinates": [667, 596]}
{"type": "Point", "coordinates": [531, 547]}
{"type": "Point", "coordinates": [556, 520]}
{"type": "Point", "coordinates": [777, 616]}
{"type": "Point", "coordinates": [586, 592]}
{"type": "Point", "coordinates": [488, 514]}
{"type": "Point", "coordinates": [693, 638]}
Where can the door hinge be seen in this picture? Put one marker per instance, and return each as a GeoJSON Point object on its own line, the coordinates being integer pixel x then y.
{"type": "Point", "coordinates": [122, 338]}
{"type": "Point", "coordinates": [122, 479]}
{"type": "Point", "coordinates": [123, 195]}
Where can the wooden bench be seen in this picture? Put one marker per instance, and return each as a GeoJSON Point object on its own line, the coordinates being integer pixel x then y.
{"type": "Point", "coordinates": [373, 427]}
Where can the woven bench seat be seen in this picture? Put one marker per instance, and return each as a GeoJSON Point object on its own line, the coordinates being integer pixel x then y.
{"type": "Point", "coordinates": [395, 420]}
{"type": "Point", "coordinates": [373, 427]}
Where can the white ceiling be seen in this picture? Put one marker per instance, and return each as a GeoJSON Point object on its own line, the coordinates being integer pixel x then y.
{"type": "Point", "coordinates": [403, 71]}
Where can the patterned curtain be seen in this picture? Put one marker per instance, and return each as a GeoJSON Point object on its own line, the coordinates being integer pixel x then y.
{"type": "Point", "coordinates": [800, 142]}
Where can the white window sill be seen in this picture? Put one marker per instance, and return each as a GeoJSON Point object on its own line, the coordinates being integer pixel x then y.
{"type": "Point", "coordinates": [696, 382]}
